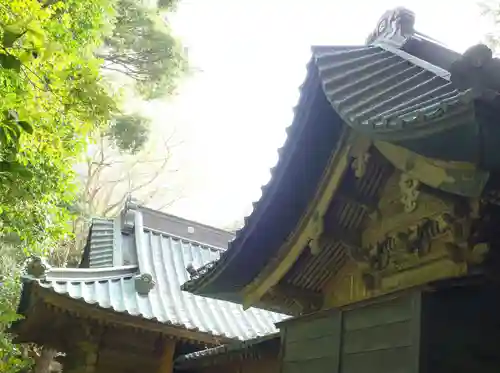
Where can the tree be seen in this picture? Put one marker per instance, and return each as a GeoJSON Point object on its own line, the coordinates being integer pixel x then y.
{"type": "Point", "coordinates": [53, 102]}
{"type": "Point", "coordinates": [491, 12]}
{"type": "Point", "coordinates": [52, 99]}
{"type": "Point", "coordinates": [108, 177]}
{"type": "Point", "coordinates": [142, 48]}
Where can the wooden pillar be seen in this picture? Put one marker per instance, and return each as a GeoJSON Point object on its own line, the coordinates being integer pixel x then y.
{"type": "Point", "coordinates": [82, 349]}
{"type": "Point", "coordinates": [81, 358]}
{"type": "Point", "coordinates": [166, 361]}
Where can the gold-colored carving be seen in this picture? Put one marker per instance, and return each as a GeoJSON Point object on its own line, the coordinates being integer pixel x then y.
{"type": "Point", "coordinates": [441, 237]}
{"type": "Point", "coordinates": [402, 241]}
{"type": "Point", "coordinates": [360, 153]}
{"type": "Point", "coordinates": [359, 164]}
{"type": "Point", "coordinates": [409, 192]}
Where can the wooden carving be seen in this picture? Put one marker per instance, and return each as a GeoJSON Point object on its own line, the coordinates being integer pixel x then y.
{"type": "Point", "coordinates": [409, 236]}
{"type": "Point", "coordinates": [394, 27]}
{"type": "Point", "coordinates": [409, 192]}
{"type": "Point", "coordinates": [359, 164]}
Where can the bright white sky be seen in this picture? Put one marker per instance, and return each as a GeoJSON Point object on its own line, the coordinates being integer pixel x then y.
{"type": "Point", "coordinates": [252, 53]}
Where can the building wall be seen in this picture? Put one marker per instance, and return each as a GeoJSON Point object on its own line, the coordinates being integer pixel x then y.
{"type": "Point", "coordinates": [451, 329]}
{"type": "Point", "coordinates": [312, 345]}
{"type": "Point", "coordinates": [380, 337]}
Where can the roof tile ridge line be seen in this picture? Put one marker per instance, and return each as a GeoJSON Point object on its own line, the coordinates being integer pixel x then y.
{"type": "Point", "coordinates": [438, 71]}
{"type": "Point", "coordinates": [210, 227]}
{"type": "Point", "coordinates": [138, 232]}
{"type": "Point", "coordinates": [117, 241]}
{"type": "Point", "coordinates": [90, 276]}
{"type": "Point", "coordinates": [108, 273]}
{"type": "Point", "coordinates": [94, 270]}
{"type": "Point", "coordinates": [101, 219]}
{"type": "Point", "coordinates": [420, 35]}
{"type": "Point", "coordinates": [182, 238]}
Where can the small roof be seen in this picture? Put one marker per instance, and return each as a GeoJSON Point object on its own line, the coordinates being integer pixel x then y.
{"type": "Point", "coordinates": [402, 88]}
{"type": "Point", "coordinates": [150, 287]}
{"type": "Point", "coordinates": [252, 348]}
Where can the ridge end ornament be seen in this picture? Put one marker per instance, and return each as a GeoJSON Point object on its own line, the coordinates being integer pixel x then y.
{"type": "Point", "coordinates": [144, 283]}
{"type": "Point", "coordinates": [477, 71]}
{"type": "Point", "coordinates": [37, 267]}
{"type": "Point", "coordinates": [395, 27]}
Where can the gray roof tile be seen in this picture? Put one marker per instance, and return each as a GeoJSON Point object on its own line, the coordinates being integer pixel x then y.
{"type": "Point", "coordinates": [388, 92]}
{"type": "Point", "coordinates": [165, 257]}
{"type": "Point", "coordinates": [234, 347]}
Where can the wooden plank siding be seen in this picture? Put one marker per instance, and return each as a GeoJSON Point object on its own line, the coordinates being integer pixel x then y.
{"type": "Point", "coordinates": [313, 346]}
{"type": "Point", "coordinates": [381, 337]}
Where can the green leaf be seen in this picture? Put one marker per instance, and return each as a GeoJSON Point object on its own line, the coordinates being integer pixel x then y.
{"type": "Point", "coordinates": [12, 115]}
{"type": "Point", "coordinates": [26, 126]}
{"type": "Point", "coordinates": [8, 61]}
{"type": "Point", "coordinates": [10, 37]}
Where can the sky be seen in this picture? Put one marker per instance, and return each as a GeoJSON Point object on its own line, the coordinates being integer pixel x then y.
{"type": "Point", "coordinates": [250, 57]}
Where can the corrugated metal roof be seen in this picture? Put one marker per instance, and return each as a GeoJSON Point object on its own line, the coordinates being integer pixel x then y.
{"type": "Point", "coordinates": [166, 259]}
{"type": "Point", "coordinates": [101, 243]}
{"type": "Point", "coordinates": [388, 92]}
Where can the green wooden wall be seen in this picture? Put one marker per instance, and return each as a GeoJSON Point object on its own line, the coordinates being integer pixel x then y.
{"type": "Point", "coordinates": [312, 346]}
{"type": "Point", "coordinates": [442, 329]}
{"type": "Point", "coordinates": [381, 337]}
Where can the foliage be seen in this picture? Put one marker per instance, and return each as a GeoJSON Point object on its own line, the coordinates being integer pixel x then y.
{"type": "Point", "coordinates": [129, 132]}
{"type": "Point", "coordinates": [491, 13]}
{"type": "Point", "coordinates": [51, 101]}
{"type": "Point", "coordinates": [11, 358]}
{"type": "Point", "coordinates": [143, 48]}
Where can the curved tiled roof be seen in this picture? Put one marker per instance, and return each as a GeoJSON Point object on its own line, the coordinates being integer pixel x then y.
{"type": "Point", "coordinates": [292, 184]}
{"type": "Point", "coordinates": [380, 90]}
{"type": "Point", "coordinates": [166, 260]}
{"type": "Point", "coordinates": [388, 93]}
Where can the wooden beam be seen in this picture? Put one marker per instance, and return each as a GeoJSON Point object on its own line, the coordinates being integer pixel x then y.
{"type": "Point", "coordinates": [309, 300]}
{"type": "Point", "coordinates": [106, 316]}
{"type": "Point", "coordinates": [306, 229]}
{"type": "Point", "coordinates": [166, 364]}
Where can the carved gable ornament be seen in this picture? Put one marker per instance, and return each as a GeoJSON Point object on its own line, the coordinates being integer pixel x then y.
{"type": "Point", "coordinates": [395, 27]}
{"type": "Point", "coordinates": [37, 267]}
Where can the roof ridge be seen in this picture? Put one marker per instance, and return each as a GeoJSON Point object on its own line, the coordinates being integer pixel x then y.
{"type": "Point", "coordinates": [184, 220]}
{"type": "Point", "coordinates": [43, 272]}
{"type": "Point", "coordinates": [183, 238]}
